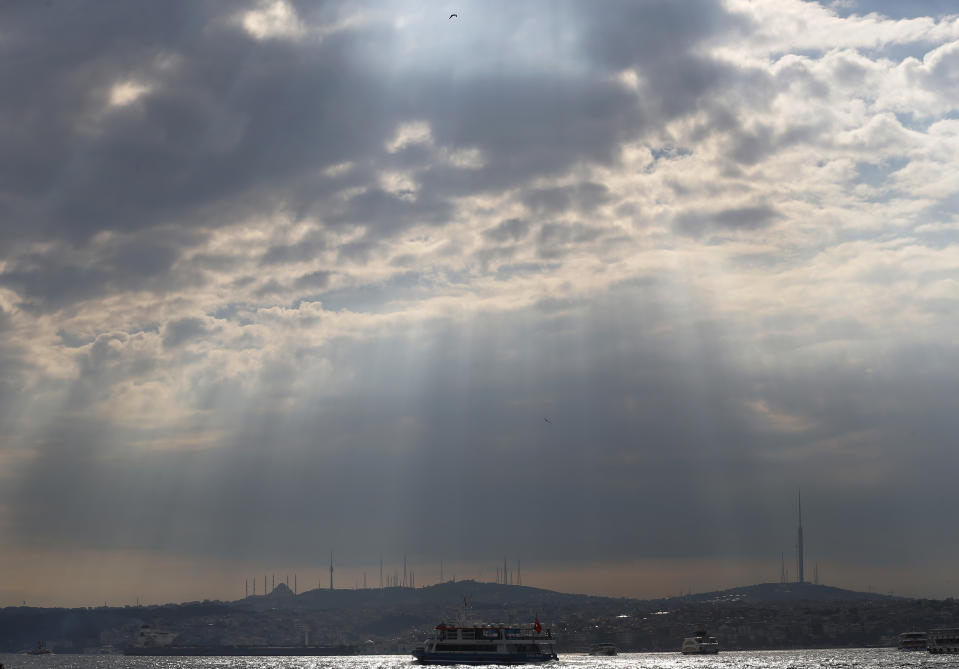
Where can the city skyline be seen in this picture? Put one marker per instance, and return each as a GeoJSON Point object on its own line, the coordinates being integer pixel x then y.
{"type": "Point", "coordinates": [600, 290]}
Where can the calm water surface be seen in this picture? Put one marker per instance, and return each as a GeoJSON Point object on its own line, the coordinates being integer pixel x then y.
{"type": "Point", "coordinates": [860, 658]}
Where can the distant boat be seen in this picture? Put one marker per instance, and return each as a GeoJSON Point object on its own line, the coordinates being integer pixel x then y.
{"type": "Point", "coordinates": [40, 650]}
{"type": "Point", "coordinates": [943, 641]}
{"type": "Point", "coordinates": [701, 644]}
{"type": "Point", "coordinates": [912, 641]}
{"type": "Point", "coordinates": [603, 649]}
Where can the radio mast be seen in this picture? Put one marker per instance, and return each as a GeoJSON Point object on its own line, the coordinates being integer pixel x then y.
{"type": "Point", "coordinates": [799, 546]}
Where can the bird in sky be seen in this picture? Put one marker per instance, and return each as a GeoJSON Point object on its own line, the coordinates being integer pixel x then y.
{"type": "Point", "coordinates": [548, 420]}
{"type": "Point", "coordinates": [452, 15]}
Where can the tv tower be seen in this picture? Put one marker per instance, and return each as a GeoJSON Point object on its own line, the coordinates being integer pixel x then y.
{"type": "Point", "coordinates": [799, 546]}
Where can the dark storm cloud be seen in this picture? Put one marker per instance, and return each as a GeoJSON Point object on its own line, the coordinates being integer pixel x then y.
{"type": "Point", "coordinates": [228, 115]}
{"type": "Point", "coordinates": [183, 330]}
{"type": "Point", "coordinates": [510, 230]}
{"type": "Point", "coordinates": [513, 121]}
{"type": "Point", "coordinates": [228, 126]}
{"type": "Point", "coordinates": [63, 276]}
{"type": "Point", "coordinates": [585, 197]}
{"type": "Point", "coordinates": [304, 250]}
{"type": "Point", "coordinates": [386, 213]}
{"type": "Point", "coordinates": [557, 239]}
{"type": "Point", "coordinates": [750, 146]}
{"type": "Point", "coordinates": [66, 179]}
{"type": "Point", "coordinates": [659, 38]}
{"type": "Point", "coordinates": [738, 218]}
{"type": "Point", "coordinates": [318, 279]}
{"type": "Point", "coordinates": [894, 9]}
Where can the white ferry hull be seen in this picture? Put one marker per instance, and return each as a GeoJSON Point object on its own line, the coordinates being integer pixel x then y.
{"type": "Point", "coordinates": [447, 659]}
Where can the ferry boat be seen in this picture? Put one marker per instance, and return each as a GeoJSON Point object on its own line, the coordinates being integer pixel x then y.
{"type": "Point", "coordinates": [912, 641]}
{"type": "Point", "coordinates": [943, 640]}
{"type": "Point", "coordinates": [603, 649]}
{"type": "Point", "coordinates": [487, 643]}
{"type": "Point", "coordinates": [701, 644]}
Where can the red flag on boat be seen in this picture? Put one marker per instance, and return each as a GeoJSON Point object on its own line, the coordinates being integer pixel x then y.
{"type": "Point", "coordinates": [539, 628]}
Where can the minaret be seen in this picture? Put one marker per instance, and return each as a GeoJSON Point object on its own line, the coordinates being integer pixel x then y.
{"type": "Point", "coordinates": [331, 571]}
{"type": "Point", "coordinates": [799, 546]}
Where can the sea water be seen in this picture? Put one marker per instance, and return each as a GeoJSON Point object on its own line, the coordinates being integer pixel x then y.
{"type": "Point", "coordinates": [853, 658]}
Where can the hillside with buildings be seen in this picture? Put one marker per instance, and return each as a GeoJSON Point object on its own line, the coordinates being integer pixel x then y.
{"type": "Point", "coordinates": [393, 620]}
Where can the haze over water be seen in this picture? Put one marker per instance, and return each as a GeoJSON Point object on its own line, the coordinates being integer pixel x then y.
{"type": "Point", "coordinates": [860, 658]}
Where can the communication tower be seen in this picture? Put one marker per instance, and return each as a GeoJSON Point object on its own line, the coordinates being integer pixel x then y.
{"type": "Point", "coordinates": [799, 546]}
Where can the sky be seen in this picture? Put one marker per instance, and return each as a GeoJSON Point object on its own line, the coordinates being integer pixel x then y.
{"type": "Point", "coordinates": [594, 287]}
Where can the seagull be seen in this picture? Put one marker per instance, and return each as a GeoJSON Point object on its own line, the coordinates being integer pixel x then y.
{"type": "Point", "coordinates": [548, 420]}
{"type": "Point", "coordinates": [452, 15]}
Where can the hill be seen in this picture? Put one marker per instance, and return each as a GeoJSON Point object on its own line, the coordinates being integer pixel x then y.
{"type": "Point", "coordinates": [784, 592]}
{"type": "Point", "coordinates": [393, 620]}
{"type": "Point", "coordinates": [449, 595]}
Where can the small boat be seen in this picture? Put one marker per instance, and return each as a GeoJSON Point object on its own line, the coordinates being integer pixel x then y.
{"type": "Point", "coordinates": [603, 649]}
{"type": "Point", "coordinates": [912, 641]}
{"type": "Point", "coordinates": [941, 641]}
{"type": "Point", "coordinates": [487, 643]}
{"type": "Point", "coordinates": [40, 650]}
{"type": "Point", "coordinates": [701, 644]}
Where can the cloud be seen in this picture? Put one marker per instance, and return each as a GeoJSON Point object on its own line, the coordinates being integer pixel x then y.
{"type": "Point", "coordinates": [737, 218]}
{"type": "Point", "coordinates": [177, 332]}
{"type": "Point", "coordinates": [280, 275]}
{"type": "Point", "coordinates": [512, 229]}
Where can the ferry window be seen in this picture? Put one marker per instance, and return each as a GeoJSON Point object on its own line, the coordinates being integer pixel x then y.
{"type": "Point", "coordinates": [460, 647]}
